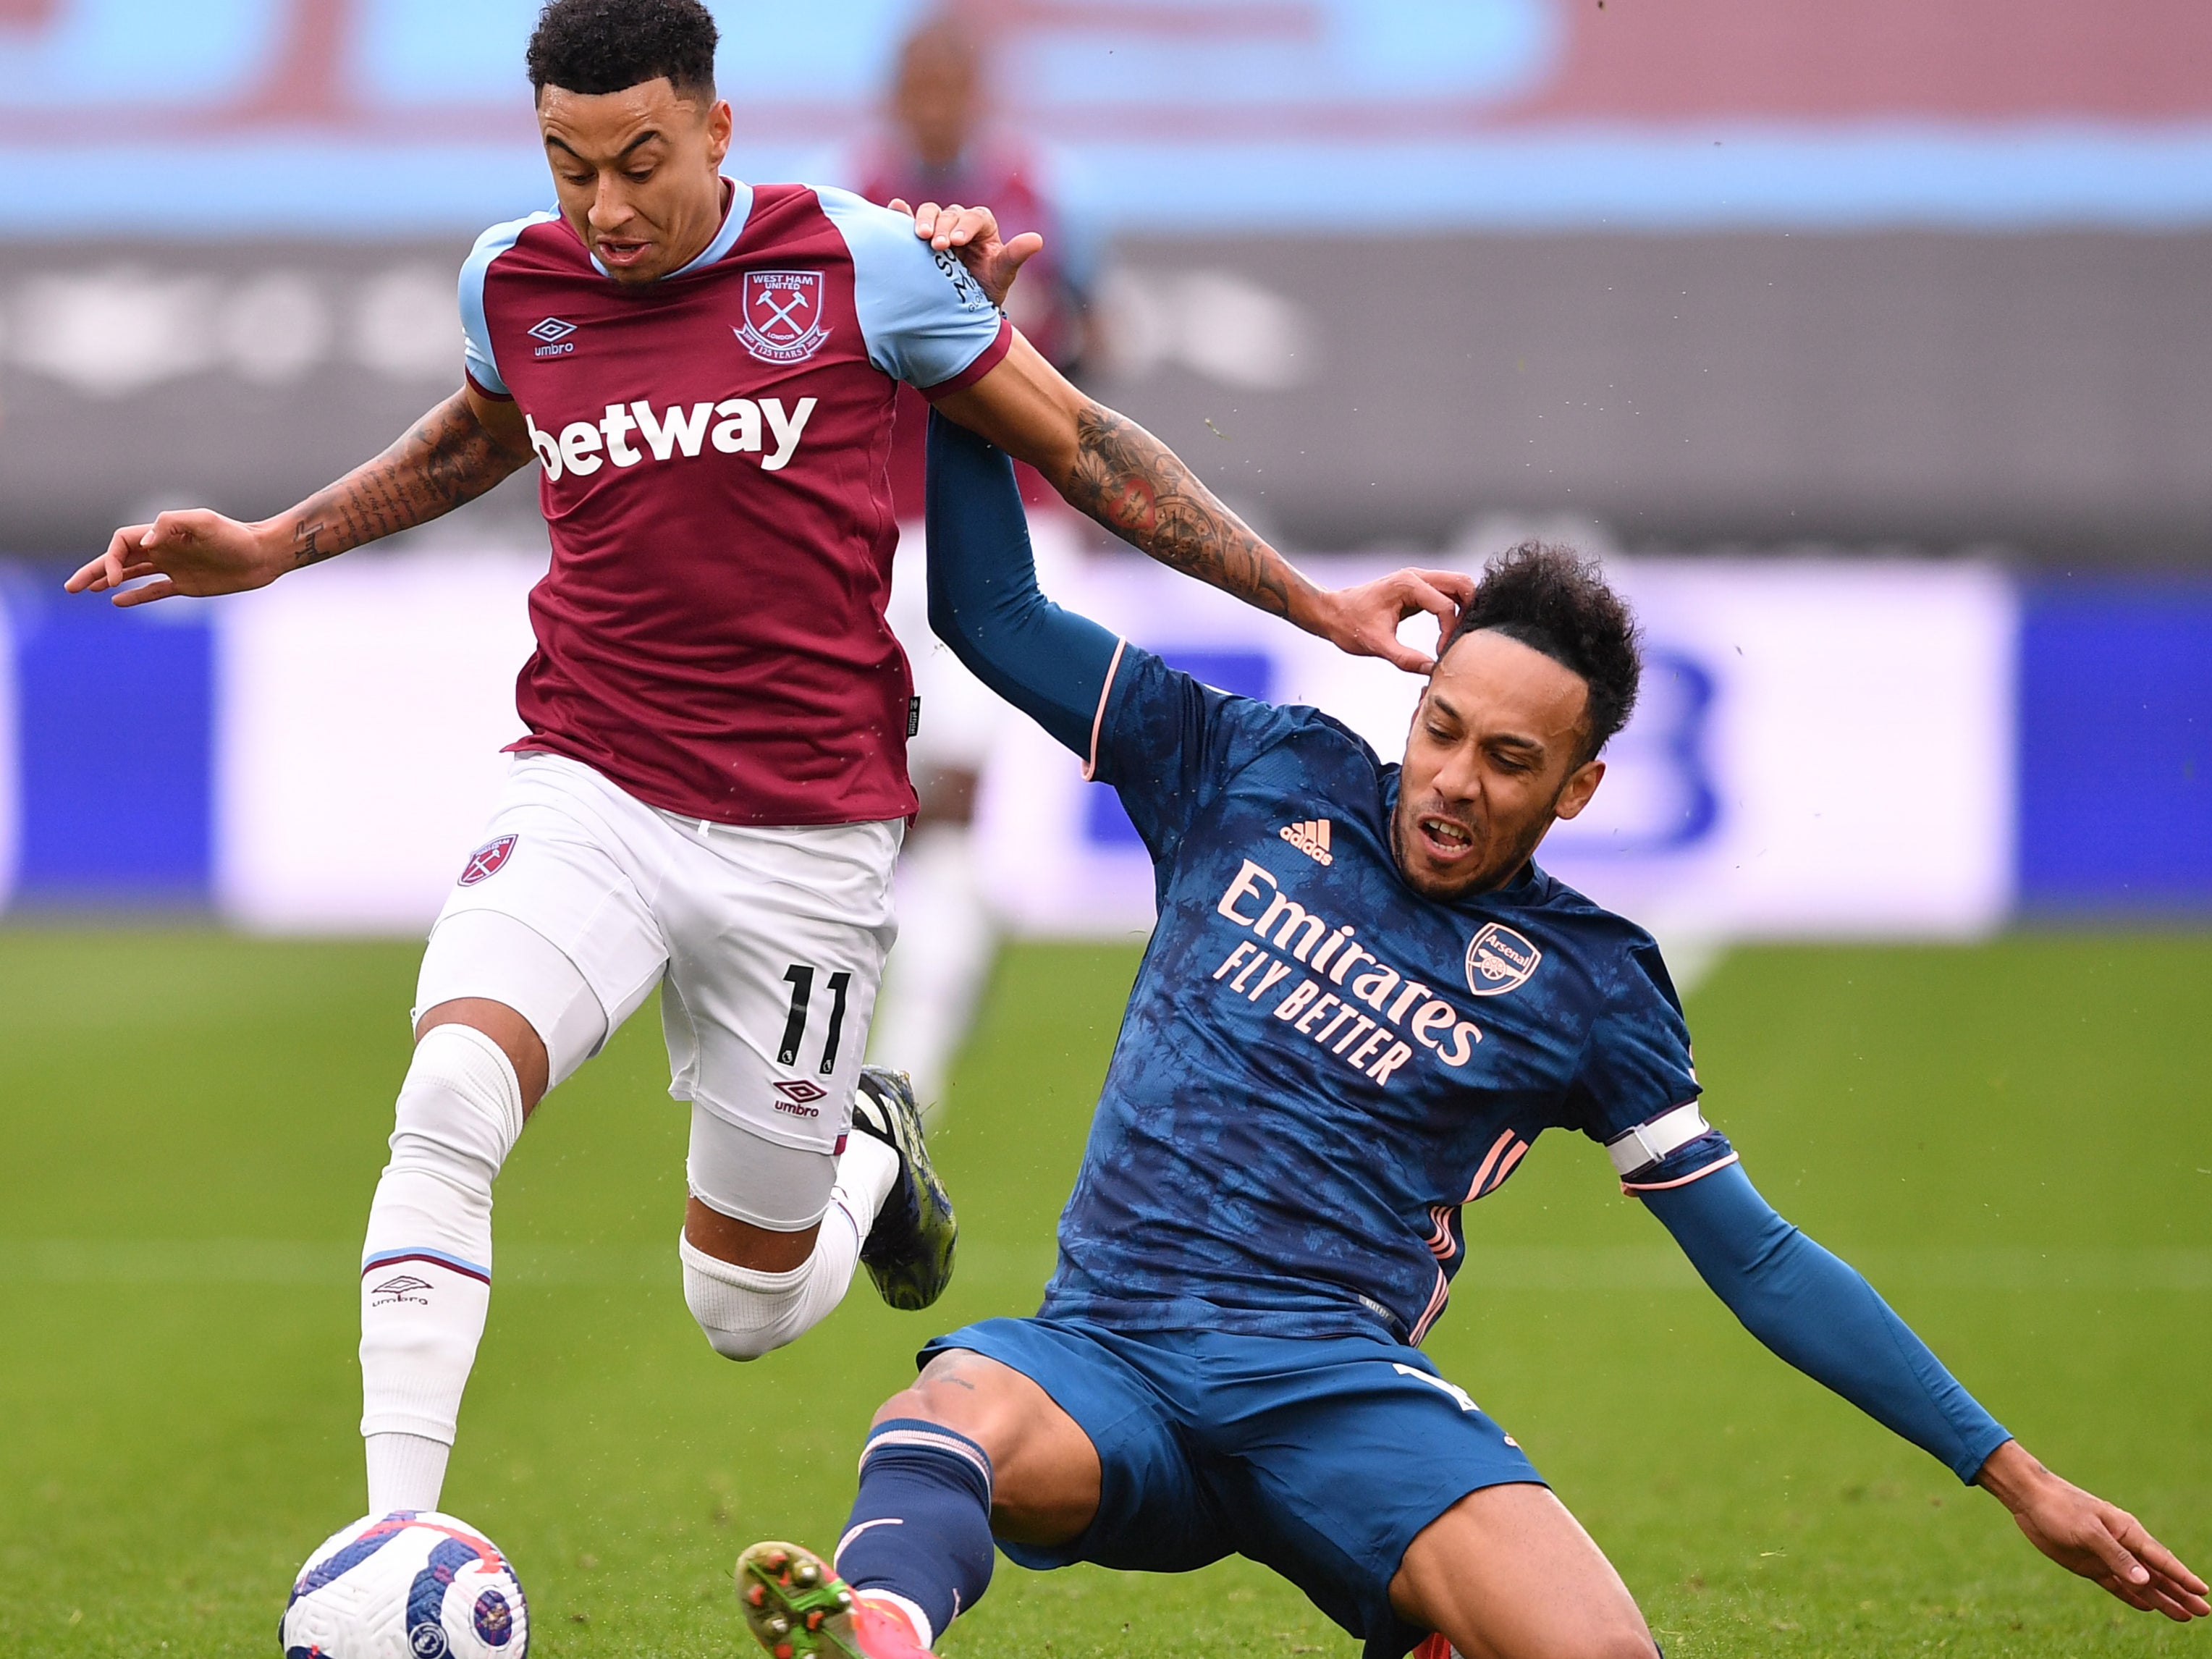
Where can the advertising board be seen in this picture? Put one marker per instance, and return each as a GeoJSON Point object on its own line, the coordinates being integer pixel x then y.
{"type": "Point", "coordinates": [1822, 749]}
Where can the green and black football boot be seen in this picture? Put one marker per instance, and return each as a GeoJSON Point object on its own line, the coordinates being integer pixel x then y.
{"type": "Point", "coordinates": [908, 1249]}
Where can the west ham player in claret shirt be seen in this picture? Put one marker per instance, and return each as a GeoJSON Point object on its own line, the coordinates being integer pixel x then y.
{"type": "Point", "coordinates": [713, 787]}
{"type": "Point", "coordinates": [1362, 1003]}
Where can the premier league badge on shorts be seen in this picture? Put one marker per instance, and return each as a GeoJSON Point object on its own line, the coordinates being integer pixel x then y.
{"type": "Point", "coordinates": [1498, 960]}
{"type": "Point", "coordinates": [487, 860]}
{"type": "Point", "coordinates": [783, 315]}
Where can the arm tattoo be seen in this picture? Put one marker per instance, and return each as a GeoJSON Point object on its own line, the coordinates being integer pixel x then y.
{"type": "Point", "coordinates": [447, 460]}
{"type": "Point", "coordinates": [1134, 485]}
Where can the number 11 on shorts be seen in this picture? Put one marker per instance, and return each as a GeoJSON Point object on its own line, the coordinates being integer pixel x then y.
{"type": "Point", "coordinates": [800, 978]}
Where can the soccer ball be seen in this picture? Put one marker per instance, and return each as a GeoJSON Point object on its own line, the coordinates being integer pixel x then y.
{"type": "Point", "coordinates": [406, 1586]}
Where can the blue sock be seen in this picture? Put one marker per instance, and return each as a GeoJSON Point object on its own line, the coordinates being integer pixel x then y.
{"type": "Point", "coordinates": [921, 1521]}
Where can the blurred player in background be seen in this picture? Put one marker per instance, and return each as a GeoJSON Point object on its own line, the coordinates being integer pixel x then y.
{"type": "Point", "coordinates": [713, 787]}
{"type": "Point", "coordinates": [1362, 1005]}
{"type": "Point", "coordinates": [938, 143]}
{"type": "Point", "coordinates": [938, 146]}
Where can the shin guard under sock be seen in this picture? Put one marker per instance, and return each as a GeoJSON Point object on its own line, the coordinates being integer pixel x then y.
{"type": "Point", "coordinates": [920, 1528]}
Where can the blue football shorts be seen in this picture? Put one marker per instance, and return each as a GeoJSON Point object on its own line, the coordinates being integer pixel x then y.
{"type": "Point", "coordinates": [1323, 1458]}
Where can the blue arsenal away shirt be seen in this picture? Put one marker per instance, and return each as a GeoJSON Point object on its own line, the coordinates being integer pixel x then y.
{"type": "Point", "coordinates": [1320, 1068]}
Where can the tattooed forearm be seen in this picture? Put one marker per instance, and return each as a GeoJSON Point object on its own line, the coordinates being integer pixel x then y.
{"type": "Point", "coordinates": [1134, 485]}
{"type": "Point", "coordinates": [447, 460]}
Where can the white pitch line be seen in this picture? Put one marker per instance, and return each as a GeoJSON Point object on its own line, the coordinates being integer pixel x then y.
{"type": "Point", "coordinates": [293, 1262]}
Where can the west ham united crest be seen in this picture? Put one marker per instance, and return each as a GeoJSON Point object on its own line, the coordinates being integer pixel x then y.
{"type": "Point", "coordinates": [1498, 960]}
{"type": "Point", "coordinates": [487, 860]}
{"type": "Point", "coordinates": [783, 315]}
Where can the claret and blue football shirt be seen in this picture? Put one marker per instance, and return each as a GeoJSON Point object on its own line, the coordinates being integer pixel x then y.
{"type": "Point", "coordinates": [715, 454]}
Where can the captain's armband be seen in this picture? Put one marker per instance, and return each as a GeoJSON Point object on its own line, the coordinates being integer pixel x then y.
{"type": "Point", "coordinates": [1643, 1153]}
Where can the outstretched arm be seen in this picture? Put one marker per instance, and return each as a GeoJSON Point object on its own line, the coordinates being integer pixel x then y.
{"type": "Point", "coordinates": [1113, 469]}
{"type": "Point", "coordinates": [1816, 1312]}
{"type": "Point", "coordinates": [453, 454]}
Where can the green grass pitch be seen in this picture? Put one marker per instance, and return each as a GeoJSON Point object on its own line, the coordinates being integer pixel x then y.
{"type": "Point", "coordinates": [2012, 1140]}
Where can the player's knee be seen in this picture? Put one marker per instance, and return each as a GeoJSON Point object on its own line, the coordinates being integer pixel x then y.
{"type": "Point", "coordinates": [744, 1313]}
{"type": "Point", "coordinates": [1619, 1638]}
{"type": "Point", "coordinates": [949, 1393]}
{"type": "Point", "coordinates": [460, 1109]}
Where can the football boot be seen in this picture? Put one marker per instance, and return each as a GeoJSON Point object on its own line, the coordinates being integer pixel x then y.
{"type": "Point", "coordinates": [794, 1604]}
{"type": "Point", "coordinates": [909, 1249]}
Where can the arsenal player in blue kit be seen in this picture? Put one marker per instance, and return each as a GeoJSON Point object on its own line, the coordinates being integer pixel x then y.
{"type": "Point", "coordinates": [1362, 1003]}
{"type": "Point", "coordinates": [713, 787]}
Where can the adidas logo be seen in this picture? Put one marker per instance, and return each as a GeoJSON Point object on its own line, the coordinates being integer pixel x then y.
{"type": "Point", "coordinates": [1310, 838]}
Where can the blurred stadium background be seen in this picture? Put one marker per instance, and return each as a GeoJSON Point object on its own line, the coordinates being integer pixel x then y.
{"type": "Point", "coordinates": [1868, 342]}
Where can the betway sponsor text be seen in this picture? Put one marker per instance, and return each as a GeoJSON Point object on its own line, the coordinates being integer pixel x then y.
{"type": "Point", "coordinates": [734, 427]}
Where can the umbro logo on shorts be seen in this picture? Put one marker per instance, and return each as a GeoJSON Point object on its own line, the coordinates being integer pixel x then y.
{"type": "Point", "coordinates": [1310, 838]}
{"type": "Point", "coordinates": [488, 860]}
{"type": "Point", "coordinates": [798, 1097]}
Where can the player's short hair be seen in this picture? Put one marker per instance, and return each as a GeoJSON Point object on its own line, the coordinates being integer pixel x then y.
{"type": "Point", "coordinates": [606, 46]}
{"type": "Point", "coordinates": [1553, 600]}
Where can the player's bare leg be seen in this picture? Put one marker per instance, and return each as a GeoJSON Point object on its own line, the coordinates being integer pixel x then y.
{"type": "Point", "coordinates": [1045, 1471]}
{"type": "Point", "coordinates": [1508, 1573]}
{"type": "Point", "coordinates": [973, 1450]}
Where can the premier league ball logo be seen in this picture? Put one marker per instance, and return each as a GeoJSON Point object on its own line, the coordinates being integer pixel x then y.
{"type": "Point", "coordinates": [783, 315]}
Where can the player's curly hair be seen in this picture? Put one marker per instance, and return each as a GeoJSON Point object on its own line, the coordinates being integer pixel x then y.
{"type": "Point", "coordinates": [1555, 601]}
{"type": "Point", "coordinates": [605, 45]}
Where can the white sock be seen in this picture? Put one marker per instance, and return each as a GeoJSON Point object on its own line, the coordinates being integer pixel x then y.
{"type": "Point", "coordinates": [746, 1312]}
{"type": "Point", "coordinates": [426, 1273]}
{"type": "Point", "coordinates": [405, 1472]}
{"type": "Point", "coordinates": [934, 980]}
{"type": "Point", "coordinates": [867, 1170]}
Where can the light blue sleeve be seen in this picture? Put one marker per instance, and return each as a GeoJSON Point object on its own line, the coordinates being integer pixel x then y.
{"type": "Point", "coordinates": [925, 320]}
{"type": "Point", "coordinates": [477, 354]}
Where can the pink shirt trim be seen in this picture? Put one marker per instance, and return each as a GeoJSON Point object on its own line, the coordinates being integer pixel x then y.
{"type": "Point", "coordinates": [1098, 718]}
{"type": "Point", "coordinates": [1680, 1181]}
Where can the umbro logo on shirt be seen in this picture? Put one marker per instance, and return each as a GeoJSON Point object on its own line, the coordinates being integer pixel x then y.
{"type": "Point", "coordinates": [1310, 838]}
{"type": "Point", "coordinates": [552, 338]}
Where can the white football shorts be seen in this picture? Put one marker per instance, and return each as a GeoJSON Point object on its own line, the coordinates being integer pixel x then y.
{"type": "Point", "coordinates": [767, 944]}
